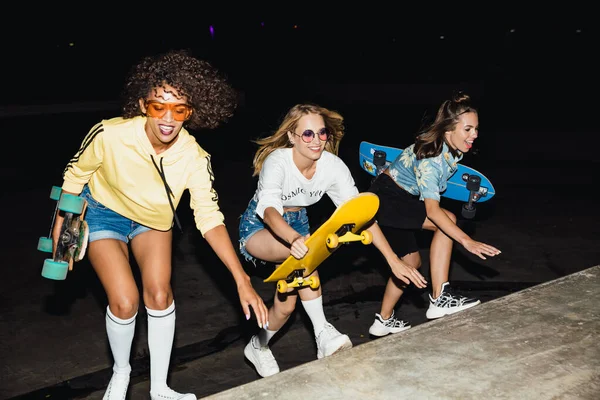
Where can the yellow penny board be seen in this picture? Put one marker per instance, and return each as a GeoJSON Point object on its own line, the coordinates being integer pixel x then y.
{"type": "Point", "coordinates": [341, 227]}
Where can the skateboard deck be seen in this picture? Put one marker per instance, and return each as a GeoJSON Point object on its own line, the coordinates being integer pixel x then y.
{"type": "Point", "coordinates": [462, 185]}
{"type": "Point", "coordinates": [73, 239]}
{"type": "Point", "coordinates": [341, 228]}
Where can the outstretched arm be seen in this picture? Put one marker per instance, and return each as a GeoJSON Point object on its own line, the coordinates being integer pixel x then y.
{"type": "Point", "coordinates": [218, 238]}
{"type": "Point", "coordinates": [443, 222]}
{"type": "Point", "coordinates": [402, 270]}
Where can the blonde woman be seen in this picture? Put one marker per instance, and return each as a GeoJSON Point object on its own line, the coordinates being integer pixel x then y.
{"type": "Point", "coordinates": [296, 167]}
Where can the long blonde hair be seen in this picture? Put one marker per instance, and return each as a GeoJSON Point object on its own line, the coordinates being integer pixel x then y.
{"type": "Point", "coordinates": [333, 121]}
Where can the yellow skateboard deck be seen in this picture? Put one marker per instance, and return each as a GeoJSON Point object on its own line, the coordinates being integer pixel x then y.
{"type": "Point", "coordinates": [340, 228]}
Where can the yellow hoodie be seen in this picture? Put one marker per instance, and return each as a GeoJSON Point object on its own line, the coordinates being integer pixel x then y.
{"type": "Point", "coordinates": [124, 172]}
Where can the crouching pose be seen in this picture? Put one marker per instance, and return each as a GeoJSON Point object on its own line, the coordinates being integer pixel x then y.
{"type": "Point", "coordinates": [133, 170]}
{"type": "Point", "coordinates": [409, 195]}
{"type": "Point", "coordinates": [297, 166]}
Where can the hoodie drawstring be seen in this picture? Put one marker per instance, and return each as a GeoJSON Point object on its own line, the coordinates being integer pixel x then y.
{"type": "Point", "coordinates": [161, 172]}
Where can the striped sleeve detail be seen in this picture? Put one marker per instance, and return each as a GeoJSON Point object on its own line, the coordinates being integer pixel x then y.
{"type": "Point", "coordinates": [211, 174]}
{"type": "Point", "coordinates": [89, 138]}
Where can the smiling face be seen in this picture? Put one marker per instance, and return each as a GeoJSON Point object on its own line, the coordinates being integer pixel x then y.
{"type": "Point", "coordinates": [163, 131]}
{"type": "Point", "coordinates": [308, 152]}
{"type": "Point", "coordinates": [465, 132]}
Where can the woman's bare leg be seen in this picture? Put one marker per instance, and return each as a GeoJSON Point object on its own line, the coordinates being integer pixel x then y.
{"type": "Point", "coordinates": [439, 254]}
{"type": "Point", "coordinates": [395, 288]}
{"type": "Point", "coordinates": [110, 260]}
{"type": "Point", "coordinates": [153, 251]}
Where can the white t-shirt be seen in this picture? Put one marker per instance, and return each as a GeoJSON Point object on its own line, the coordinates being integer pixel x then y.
{"type": "Point", "coordinates": [281, 184]}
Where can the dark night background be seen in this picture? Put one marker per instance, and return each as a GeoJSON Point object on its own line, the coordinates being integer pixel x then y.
{"type": "Point", "coordinates": [531, 69]}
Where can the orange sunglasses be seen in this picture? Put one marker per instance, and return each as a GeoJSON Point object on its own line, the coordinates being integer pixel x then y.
{"type": "Point", "coordinates": [180, 112]}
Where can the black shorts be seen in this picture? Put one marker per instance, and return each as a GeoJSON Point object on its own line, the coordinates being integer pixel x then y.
{"type": "Point", "coordinates": [400, 214]}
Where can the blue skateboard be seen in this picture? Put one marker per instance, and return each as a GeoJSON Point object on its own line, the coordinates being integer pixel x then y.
{"type": "Point", "coordinates": [466, 184]}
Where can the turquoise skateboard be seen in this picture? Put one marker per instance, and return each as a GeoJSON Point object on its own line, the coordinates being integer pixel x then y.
{"type": "Point", "coordinates": [73, 239]}
{"type": "Point", "coordinates": [466, 184]}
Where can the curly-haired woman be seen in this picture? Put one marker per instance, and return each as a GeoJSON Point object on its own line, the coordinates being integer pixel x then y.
{"type": "Point", "coordinates": [133, 170]}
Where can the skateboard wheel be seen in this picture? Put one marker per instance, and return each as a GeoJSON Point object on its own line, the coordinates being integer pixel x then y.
{"type": "Point", "coordinates": [282, 286]}
{"type": "Point", "coordinates": [314, 282]}
{"type": "Point", "coordinates": [55, 192]}
{"type": "Point", "coordinates": [366, 237]}
{"type": "Point", "coordinates": [56, 270]}
{"type": "Point", "coordinates": [473, 183]}
{"type": "Point", "coordinates": [332, 241]}
{"type": "Point", "coordinates": [45, 245]}
{"type": "Point", "coordinates": [71, 203]}
{"type": "Point", "coordinates": [468, 212]}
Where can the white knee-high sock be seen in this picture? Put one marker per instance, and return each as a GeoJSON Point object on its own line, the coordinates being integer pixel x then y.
{"type": "Point", "coordinates": [314, 309]}
{"type": "Point", "coordinates": [264, 336]}
{"type": "Point", "coordinates": [120, 336]}
{"type": "Point", "coordinates": [161, 331]}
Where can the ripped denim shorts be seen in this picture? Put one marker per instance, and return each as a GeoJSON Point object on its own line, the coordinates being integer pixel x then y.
{"type": "Point", "coordinates": [250, 223]}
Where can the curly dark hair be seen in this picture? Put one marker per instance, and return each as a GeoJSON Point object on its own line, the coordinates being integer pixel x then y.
{"type": "Point", "coordinates": [212, 98]}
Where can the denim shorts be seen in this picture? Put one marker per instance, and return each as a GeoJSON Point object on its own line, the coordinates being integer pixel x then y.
{"type": "Point", "coordinates": [104, 223]}
{"type": "Point", "coordinates": [250, 223]}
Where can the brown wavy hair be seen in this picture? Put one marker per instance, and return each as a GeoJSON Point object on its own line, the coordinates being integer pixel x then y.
{"type": "Point", "coordinates": [430, 140]}
{"type": "Point", "coordinates": [333, 121]}
{"type": "Point", "coordinates": [212, 98]}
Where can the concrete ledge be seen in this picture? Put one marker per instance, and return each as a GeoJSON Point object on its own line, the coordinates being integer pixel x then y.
{"type": "Point", "coordinates": [539, 343]}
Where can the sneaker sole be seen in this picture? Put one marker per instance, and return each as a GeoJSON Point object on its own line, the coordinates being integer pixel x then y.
{"type": "Point", "coordinates": [383, 332]}
{"type": "Point", "coordinates": [441, 312]}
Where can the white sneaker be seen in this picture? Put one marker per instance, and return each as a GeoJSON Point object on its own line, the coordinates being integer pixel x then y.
{"type": "Point", "coordinates": [382, 327]}
{"type": "Point", "coordinates": [167, 393]}
{"type": "Point", "coordinates": [330, 341]}
{"type": "Point", "coordinates": [117, 387]}
{"type": "Point", "coordinates": [448, 303]}
{"type": "Point", "coordinates": [261, 357]}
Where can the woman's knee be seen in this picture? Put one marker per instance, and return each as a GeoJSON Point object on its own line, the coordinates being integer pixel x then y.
{"type": "Point", "coordinates": [450, 215]}
{"type": "Point", "coordinates": [285, 308]}
{"type": "Point", "coordinates": [413, 259]}
{"type": "Point", "coordinates": [158, 297]}
{"type": "Point", "coordinates": [125, 307]}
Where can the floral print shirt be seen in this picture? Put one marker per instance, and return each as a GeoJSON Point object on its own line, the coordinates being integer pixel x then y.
{"type": "Point", "coordinates": [426, 178]}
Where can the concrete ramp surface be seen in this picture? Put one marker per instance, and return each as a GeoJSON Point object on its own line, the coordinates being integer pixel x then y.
{"type": "Point", "coordinates": [539, 343]}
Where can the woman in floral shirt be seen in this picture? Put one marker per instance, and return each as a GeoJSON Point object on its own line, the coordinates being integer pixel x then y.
{"type": "Point", "coordinates": [409, 193]}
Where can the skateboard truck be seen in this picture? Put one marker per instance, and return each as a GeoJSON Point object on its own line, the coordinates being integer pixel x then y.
{"type": "Point", "coordinates": [475, 192]}
{"type": "Point", "coordinates": [343, 235]}
{"type": "Point", "coordinates": [379, 158]}
{"type": "Point", "coordinates": [297, 279]}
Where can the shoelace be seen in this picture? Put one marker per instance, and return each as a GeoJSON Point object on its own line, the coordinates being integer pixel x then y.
{"type": "Point", "coordinates": [393, 322]}
{"type": "Point", "coordinates": [449, 297]}
{"type": "Point", "coordinates": [328, 331]}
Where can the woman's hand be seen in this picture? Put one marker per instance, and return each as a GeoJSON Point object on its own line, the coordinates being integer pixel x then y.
{"type": "Point", "coordinates": [249, 298]}
{"type": "Point", "coordinates": [407, 273]}
{"type": "Point", "coordinates": [480, 249]}
{"type": "Point", "coordinates": [298, 248]}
